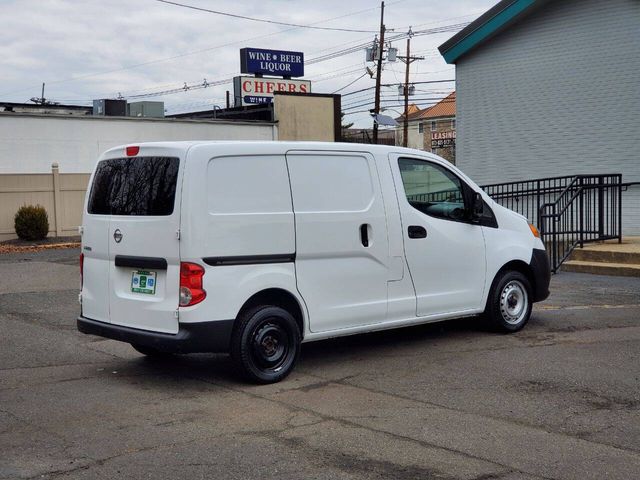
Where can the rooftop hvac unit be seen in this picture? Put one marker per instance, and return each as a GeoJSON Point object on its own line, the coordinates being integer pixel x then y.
{"type": "Point", "coordinates": [110, 108]}
{"type": "Point", "coordinates": [146, 109]}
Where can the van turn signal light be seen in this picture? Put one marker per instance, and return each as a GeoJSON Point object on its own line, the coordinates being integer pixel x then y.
{"type": "Point", "coordinates": [534, 230]}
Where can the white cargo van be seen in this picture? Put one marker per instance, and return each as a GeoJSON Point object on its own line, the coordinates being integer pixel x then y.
{"type": "Point", "coordinates": [252, 248]}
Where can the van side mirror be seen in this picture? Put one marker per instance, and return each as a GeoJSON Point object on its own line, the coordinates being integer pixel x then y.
{"type": "Point", "coordinates": [477, 208]}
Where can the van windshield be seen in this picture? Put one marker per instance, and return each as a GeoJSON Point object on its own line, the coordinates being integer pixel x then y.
{"type": "Point", "coordinates": [144, 186]}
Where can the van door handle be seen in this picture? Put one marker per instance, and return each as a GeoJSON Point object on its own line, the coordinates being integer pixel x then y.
{"type": "Point", "coordinates": [364, 234]}
{"type": "Point", "coordinates": [416, 231]}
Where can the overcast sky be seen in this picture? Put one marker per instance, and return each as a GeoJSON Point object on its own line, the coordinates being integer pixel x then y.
{"type": "Point", "coordinates": [102, 48]}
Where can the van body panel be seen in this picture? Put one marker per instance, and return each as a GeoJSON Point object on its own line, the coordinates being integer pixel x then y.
{"type": "Point", "coordinates": [448, 264]}
{"type": "Point", "coordinates": [145, 238]}
{"type": "Point", "coordinates": [342, 249]}
{"type": "Point", "coordinates": [326, 222]}
{"type": "Point", "coordinates": [401, 294]}
{"type": "Point", "coordinates": [95, 241]}
{"type": "Point", "coordinates": [133, 233]}
{"type": "Point", "coordinates": [229, 287]}
{"type": "Point", "coordinates": [238, 204]}
{"type": "Point", "coordinates": [512, 241]}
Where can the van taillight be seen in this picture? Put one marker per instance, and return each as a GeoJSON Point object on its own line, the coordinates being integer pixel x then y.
{"type": "Point", "coordinates": [191, 291]}
{"type": "Point", "coordinates": [81, 269]}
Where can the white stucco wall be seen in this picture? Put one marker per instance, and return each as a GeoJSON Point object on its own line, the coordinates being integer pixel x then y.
{"type": "Point", "coordinates": [31, 143]}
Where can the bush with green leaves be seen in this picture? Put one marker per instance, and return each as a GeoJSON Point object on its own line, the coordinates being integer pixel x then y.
{"type": "Point", "coordinates": [31, 222]}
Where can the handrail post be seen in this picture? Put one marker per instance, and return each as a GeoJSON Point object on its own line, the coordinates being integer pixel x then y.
{"type": "Point", "coordinates": [620, 208]}
{"type": "Point", "coordinates": [581, 207]}
{"type": "Point", "coordinates": [554, 240]}
{"type": "Point", "coordinates": [600, 207]}
{"type": "Point", "coordinates": [539, 220]}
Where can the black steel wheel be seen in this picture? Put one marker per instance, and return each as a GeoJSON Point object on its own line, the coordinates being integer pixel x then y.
{"type": "Point", "coordinates": [509, 303]}
{"type": "Point", "coordinates": [265, 344]}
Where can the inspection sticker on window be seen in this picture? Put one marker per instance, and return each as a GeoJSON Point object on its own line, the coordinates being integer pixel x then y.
{"type": "Point", "coordinates": [143, 281]}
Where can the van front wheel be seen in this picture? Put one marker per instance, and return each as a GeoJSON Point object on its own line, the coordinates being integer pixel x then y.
{"type": "Point", "coordinates": [510, 301]}
{"type": "Point", "coordinates": [265, 344]}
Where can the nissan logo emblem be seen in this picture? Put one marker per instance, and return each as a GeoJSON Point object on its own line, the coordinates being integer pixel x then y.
{"type": "Point", "coordinates": [117, 235]}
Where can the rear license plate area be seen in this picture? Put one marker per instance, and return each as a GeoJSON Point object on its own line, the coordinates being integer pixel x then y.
{"type": "Point", "coordinates": [143, 281]}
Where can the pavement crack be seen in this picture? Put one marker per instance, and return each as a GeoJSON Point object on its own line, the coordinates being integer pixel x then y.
{"type": "Point", "coordinates": [352, 424]}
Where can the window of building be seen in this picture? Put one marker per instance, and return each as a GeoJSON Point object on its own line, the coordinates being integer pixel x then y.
{"type": "Point", "coordinates": [453, 124]}
{"type": "Point", "coordinates": [433, 125]}
{"type": "Point", "coordinates": [421, 127]}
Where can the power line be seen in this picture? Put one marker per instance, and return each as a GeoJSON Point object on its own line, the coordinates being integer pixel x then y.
{"type": "Point", "coordinates": [186, 54]}
{"type": "Point", "coordinates": [263, 20]}
{"type": "Point", "coordinates": [385, 107]}
{"type": "Point", "coordinates": [196, 86]}
{"type": "Point", "coordinates": [322, 58]}
{"type": "Point", "coordinates": [351, 83]}
{"type": "Point", "coordinates": [413, 100]}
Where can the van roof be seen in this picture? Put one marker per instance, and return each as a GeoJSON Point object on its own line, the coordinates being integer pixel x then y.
{"type": "Point", "coordinates": [249, 146]}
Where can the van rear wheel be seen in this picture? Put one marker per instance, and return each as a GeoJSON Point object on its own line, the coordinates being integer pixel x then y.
{"type": "Point", "coordinates": [509, 303]}
{"type": "Point", "coordinates": [265, 344]}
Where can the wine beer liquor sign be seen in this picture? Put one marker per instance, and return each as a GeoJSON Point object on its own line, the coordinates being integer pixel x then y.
{"type": "Point", "coordinates": [271, 62]}
{"type": "Point", "coordinates": [253, 90]}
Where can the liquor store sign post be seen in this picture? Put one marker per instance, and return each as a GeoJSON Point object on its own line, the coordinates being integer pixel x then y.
{"type": "Point", "coordinates": [253, 90]}
{"type": "Point", "coordinates": [272, 62]}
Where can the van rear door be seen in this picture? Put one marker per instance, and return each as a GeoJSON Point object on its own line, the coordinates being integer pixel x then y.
{"type": "Point", "coordinates": [141, 195]}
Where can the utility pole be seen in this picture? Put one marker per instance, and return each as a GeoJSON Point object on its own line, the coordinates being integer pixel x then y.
{"type": "Point", "coordinates": [41, 100]}
{"type": "Point", "coordinates": [376, 109]}
{"type": "Point", "coordinates": [408, 60]}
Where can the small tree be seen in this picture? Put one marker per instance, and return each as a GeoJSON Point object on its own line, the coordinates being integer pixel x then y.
{"type": "Point", "coordinates": [31, 222]}
{"type": "Point", "coordinates": [345, 125]}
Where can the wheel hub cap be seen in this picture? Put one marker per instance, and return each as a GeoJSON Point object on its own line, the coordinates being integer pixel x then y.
{"type": "Point", "coordinates": [514, 302]}
{"type": "Point", "coordinates": [269, 346]}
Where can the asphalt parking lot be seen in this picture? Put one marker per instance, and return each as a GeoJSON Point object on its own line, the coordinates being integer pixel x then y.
{"type": "Point", "coordinates": [561, 399]}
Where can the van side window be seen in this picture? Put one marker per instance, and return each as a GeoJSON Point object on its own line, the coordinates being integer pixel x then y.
{"type": "Point", "coordinates": [432, 189]}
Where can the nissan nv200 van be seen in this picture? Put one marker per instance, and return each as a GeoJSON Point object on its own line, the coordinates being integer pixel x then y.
{"type": "Point", "coordinates": [252, 248]}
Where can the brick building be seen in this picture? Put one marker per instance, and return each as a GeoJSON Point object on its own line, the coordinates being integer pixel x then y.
{"type": "Point", "coordinates": [432, 129]}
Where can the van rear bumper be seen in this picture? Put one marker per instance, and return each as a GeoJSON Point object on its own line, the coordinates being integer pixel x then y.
{"type": "Point", "coordinates": [191, 337]}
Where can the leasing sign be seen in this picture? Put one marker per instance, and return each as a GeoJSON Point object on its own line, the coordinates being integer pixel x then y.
{"type": "Point", "coordinates": [272, 62]}
{"type": "Point", "coordinates": [254, 90]}
{"type": "Point", "coordinates": [443, 139]}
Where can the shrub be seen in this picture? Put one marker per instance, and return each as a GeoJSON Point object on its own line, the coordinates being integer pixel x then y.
{"type": "Point", "coordinates": [31, 222]}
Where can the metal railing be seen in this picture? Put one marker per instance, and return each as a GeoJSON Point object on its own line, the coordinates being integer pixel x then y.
{"type": "Point", "coordinates": [569, 210]}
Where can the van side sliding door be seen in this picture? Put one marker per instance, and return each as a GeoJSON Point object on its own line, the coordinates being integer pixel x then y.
{"type": "Point", "coordinates": [342, 250]}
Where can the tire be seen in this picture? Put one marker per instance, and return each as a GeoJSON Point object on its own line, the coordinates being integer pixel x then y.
{"type": "Point", "coordinates": [150, 351]}
{"type": "Point", "coordinates": [509, 303]}
{"type": "Point", "coordinates": [265, 344]}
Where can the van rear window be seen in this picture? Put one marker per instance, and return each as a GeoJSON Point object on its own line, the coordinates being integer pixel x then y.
{"type": "Point", "coordinates": [144, 186]}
